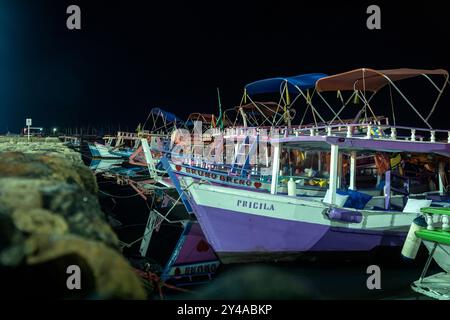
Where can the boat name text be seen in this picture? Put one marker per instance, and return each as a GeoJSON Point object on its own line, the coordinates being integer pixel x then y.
{"type": "Point", "coordinates": [255, 205]}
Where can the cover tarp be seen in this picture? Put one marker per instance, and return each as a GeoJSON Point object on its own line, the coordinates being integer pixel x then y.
{"type": "Point", "coordinates": [271, 85]}
{"type": "Point", "coordinates": [370, 79]}
{"type": "Point", "coordinates": [356, 199]}
{"type": "Point", "coordinates": [165, 114]}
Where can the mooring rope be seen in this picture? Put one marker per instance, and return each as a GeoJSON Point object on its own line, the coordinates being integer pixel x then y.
{"type": "Point", "coordinates": [118, 197]}
{"type": "Point", "coordinates": [129, 245]}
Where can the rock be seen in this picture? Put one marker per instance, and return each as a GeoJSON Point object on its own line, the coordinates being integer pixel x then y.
{"type": "Point", "coordinates": [39, 221]}
{"type": "Point", "coordinates": [47, 279]}
{"type": "Point", "coordinates": [113, 276]}
{"type": "Point", "coordinates": [17, 164]}
{"type": "Point", "coordinates": [81, 211]}
{"type": "Point", "coordinates": [21, 193]}
{"type": "Point", "coordinates": [88, 178]}
{"type": "Point", "coordinates": [79, 208]}
{"type": "Point", "coordinates": [50, 218]}
{"type": "Point", "coordinates": [12, 249]}
{"type": "Point", "coordinates": [69, 172]}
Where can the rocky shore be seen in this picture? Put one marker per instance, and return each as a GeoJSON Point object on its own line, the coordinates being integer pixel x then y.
{"type": "Point", "coordinates": [50, 219]}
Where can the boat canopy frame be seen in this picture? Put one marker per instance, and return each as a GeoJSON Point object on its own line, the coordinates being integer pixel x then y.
{"type": "Point", "coordinates": [365, 79]}
{"type": "Point", "coordinates": [298, 86]}
{"type": "Point", "coordinates": [162, 122]}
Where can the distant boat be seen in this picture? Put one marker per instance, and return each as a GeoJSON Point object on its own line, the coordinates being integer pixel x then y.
{"type": "Point", "coordinates": [102, 151]}
{"type": "Point", "coordinates": [104, 165]}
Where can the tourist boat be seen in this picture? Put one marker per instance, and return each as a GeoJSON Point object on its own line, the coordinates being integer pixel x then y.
{"type": "Point", "coordinates": [73, 142]}
{"type": "Point", "coordinates": [434, 232]}
{"type": "Point", "coordinates": [256, 116]}
{"type": "Point", "coordinates": [246, 213]}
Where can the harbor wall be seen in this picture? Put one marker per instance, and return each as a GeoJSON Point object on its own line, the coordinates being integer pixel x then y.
{"type": "Point", "coordinates": [50, 219]}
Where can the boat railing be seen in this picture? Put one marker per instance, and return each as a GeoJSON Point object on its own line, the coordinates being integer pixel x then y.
{"type": "Point", "coordinates": [353, 130]}
{"type": "Point", "coordinates": [127, 135]}
{"type": "Point", "coordinates": [439, 214]}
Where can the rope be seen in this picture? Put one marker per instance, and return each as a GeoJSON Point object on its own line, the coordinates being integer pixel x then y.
{"type": "Point", "coordinates": [157, 282]}
{"type": "Point", "coordinates": [129, 226]}
{"type": "Point", "coordinates": [129, 245]}
{"type": "Point", "coordinates": [118, 197]}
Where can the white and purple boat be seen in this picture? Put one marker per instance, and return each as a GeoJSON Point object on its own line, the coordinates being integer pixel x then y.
{"type": "Point", "coordinates": [247, 215]}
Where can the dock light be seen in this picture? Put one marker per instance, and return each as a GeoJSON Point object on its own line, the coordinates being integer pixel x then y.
{"type": "Point", "coordinates": [54, 130]}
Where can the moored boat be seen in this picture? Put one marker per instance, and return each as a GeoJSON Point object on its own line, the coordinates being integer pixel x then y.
{"type": "Point", "coordinates": [247, 215]}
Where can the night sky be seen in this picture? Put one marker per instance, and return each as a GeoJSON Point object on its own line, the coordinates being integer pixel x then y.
{"type": "Point", "coordinates": [131, 56]}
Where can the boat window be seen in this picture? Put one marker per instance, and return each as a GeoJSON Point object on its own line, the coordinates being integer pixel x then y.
{"type": "Point", "coordinates": [306, 167]}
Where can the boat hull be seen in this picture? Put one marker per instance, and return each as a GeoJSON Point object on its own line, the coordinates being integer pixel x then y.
{"type": "Point", "coordinates": [245, 226]}
{"type": "Point", "coordinates": [441, 255]}
{"type": "Point", "coordinates": [436, 286]}
{"type": "Point", "coordinates": [238, 237]}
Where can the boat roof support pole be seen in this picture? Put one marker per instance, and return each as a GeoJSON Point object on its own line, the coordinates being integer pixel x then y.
{"type": "Point", "coordinates": [333, 172]}
{"type": "Point", "coordinates": [407, 101]}
{"type": "Point", "coordinates": [440, 90]}
{"type": "Point", "coordinates": [328, 105]}
{"type": "Point", "coordinates": [352, 170]}
{"type": "Point", "coordinates": [387, 190]}
{"type": "Point", "coordinates": [343, 107]}
{"type": "Point", "coordinates": [304, 115]}
{"type": "Point", "coordinates": [366, 103]}
{"type": "Point", "coordinates": [244, 118]}
{"type": "Point", "coordinates": [275, 167]}
{"type": "Point", "coordinates": [314, 111]}
{"type": "Point", "coordinates": [283, 92]}
{"type": "Point", "coordinates": [441, 177]}
{"type": "Point", "coordinates": [256, 106]}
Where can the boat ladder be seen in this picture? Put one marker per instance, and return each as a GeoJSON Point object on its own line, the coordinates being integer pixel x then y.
{"type": "Point", "coordinates": [242, 152]}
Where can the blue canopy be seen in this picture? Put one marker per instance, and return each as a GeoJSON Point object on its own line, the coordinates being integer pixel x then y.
{"type": "Point", "coordinates": [271, 85]}
{"type": "Point", "coordinates": [167, 115]}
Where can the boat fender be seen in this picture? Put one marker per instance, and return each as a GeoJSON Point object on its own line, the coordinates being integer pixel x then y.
{"type": "Point", "coordinates": [412, 242]}
{"type": "Point", "coordinates": [292, 188]}
{"type": "Point", "coordinates": [346, 216]}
